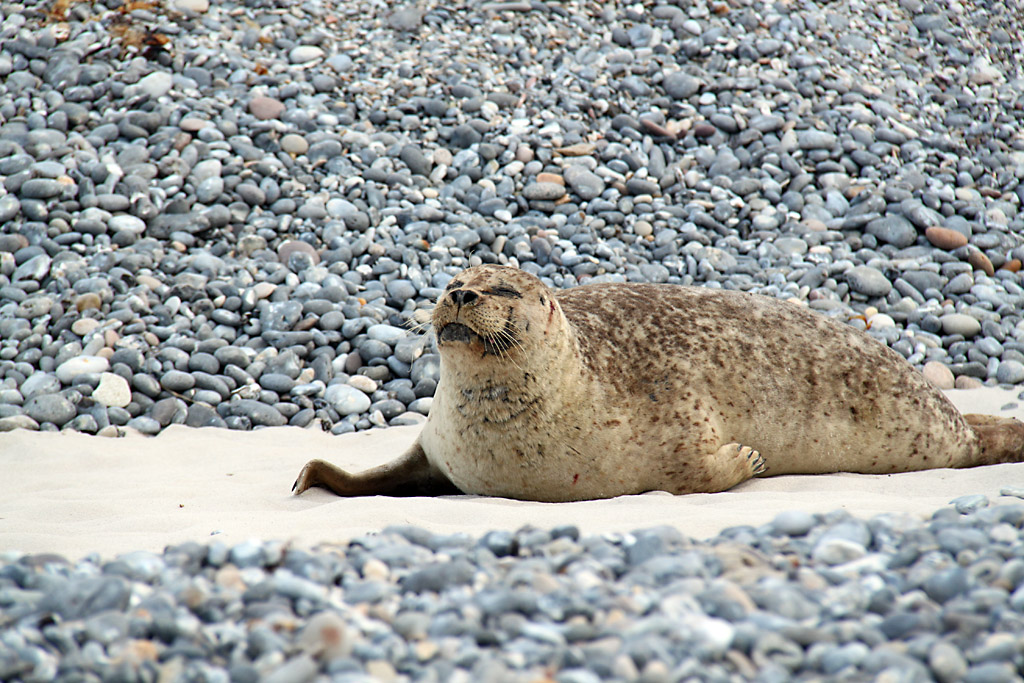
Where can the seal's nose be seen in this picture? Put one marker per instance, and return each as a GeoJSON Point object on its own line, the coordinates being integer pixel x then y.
{"type": "Point", "coordinates": [463, 297]}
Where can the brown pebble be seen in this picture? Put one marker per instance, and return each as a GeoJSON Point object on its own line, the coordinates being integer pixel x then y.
{"type": "Point", "coordinates": [288, 248]}
{"type": "Point", "coordinates": [550, 178]}
{"type": "Point", "coordinates": [944, 238]}
{"type": "Point", "coordinates": [88, 300]}
{"type": "Point", "coordinates": [656, 130]}
{"type": "Point", "coordinates": [1013, 265]}
{"type": "Point", "coordinates": [704, 129]}
{"type": "Point", "coordinates": [265, 107]}
{"type": "Point", "coordinates": [580, 149]}
{"type": "Point", "coordinates": [981, 262]}
{"type": "Point", "coordinates": [965, 382]}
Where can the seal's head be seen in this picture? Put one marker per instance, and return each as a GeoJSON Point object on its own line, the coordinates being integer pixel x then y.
{"type": "Point", "coordinates": [496, 313]}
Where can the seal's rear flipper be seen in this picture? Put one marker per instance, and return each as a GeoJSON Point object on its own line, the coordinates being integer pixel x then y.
{"type": "Point", "coordinates": [409, 475]}
{"type": "Point", "coordinates": [1002, 439]}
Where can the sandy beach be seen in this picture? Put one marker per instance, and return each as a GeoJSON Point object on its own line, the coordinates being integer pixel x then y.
{"type": "Point", "coordinates": [74, 494]}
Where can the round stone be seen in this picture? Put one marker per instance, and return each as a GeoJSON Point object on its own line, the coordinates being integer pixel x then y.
{"type": "Point", "coordinates": [347, 400]}
{"type": "Point", "coordinates": [940, 375]}
{"type": "Point", "coordinates": [294, 144]}
{"type": "Point", "coordinates": [113, 390]}
{"type": "Point", "coordinates": [50, 408]}
{"type": "Point", "coordinates": [1010, 372]}
{"type": "Point", "coordinates": [177, 381]}
{"type": "Point", "coordinates": [959, 323]}
{"type": "Point", "coordinates": [266, 107]}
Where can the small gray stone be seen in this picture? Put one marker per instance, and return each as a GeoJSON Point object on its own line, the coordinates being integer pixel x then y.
{"type": "Point", "coordinates": [815, 139]}
{"type": "Point", "coordinates": [543, 191]}
{"type": "Point", "coordinates": [868, 281]}
{"type": "Point", "coordinates": [347, 400]}
{"type": "Point", "coordinates": [50, 408]}
{"type": "Point", "coordinates": [893, 229]}
{"type": "Point", "coordinates": [679, 85]}
{"type": "Point", "coordinates": [1010, 372]}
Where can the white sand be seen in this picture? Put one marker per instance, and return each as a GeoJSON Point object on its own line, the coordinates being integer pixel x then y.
{"type": "Point", "coordinates": [74, 494]}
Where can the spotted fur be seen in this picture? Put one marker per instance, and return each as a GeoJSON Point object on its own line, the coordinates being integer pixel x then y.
{"type": "Point", "coordinates": [610, 389]}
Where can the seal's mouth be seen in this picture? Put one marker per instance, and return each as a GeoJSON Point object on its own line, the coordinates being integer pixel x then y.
{"type": "Point", "coordinates": [457, 332]}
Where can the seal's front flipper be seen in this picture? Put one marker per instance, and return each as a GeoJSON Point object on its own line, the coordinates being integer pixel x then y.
{"type": "Point", "coordinates": [409, 475]}
{"type": "Point", "coordinates": [730, 465]}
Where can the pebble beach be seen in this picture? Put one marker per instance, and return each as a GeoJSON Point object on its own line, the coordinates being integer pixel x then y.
{"type": "Point", "coordinates": [238, 215]}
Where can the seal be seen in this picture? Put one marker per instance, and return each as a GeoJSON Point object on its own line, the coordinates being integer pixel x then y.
{"type": "Point", "coordinates": [611, 389]}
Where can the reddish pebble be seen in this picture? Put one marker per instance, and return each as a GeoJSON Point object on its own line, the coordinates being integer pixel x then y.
{"type": "Point", "coordinates": [980, 262]}
{"type": "Point", "coordinates": [1013, 265]}
{"type": "Point", "coordinates": [944, 238]}
{"type": "Point", "coordinates": [550, 178]}
{"type": "Point", "coordinates": [704, 130]}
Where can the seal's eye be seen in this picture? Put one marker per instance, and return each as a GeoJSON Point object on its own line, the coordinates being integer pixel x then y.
{"type": "Point", "coordinates": [505, 291]}
{"type": "Point", "coordinates": [452, 285]}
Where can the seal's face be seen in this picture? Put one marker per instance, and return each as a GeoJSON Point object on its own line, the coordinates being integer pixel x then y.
{"type": "Point", "coordinates": [492, 311]}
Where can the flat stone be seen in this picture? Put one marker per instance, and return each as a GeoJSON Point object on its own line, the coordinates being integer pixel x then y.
{"type": "Point", "coordinates": [544, 191]}
{"type": "Point", "coordinates": [868, 281]}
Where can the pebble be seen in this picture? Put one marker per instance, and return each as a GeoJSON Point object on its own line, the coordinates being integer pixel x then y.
{"type": "Point", "coordinates": [112, 390]}
{"type": "Point", "coordinates": [73, 367]}
{"type": "Point", "coordinates": [958, 323]}
{"type": "Point", "coordinates": [540, 604]}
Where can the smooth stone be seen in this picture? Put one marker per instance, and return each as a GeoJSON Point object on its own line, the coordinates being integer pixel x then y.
{"type": "Point", "coordinates": [113, 390]}
{"type": "Point", "coordinates": [300, 54]}
{"type": "Point", "coordinates": [940, 375]}
{"type": "Point", "coordinates": [893, 229]}
{"type": "Point", "coordinates": [945, 238]}
{"type": "Point", "coordinates": [12, 422]}
{"type": "Point", "coordinates": [266, 107]}
{"type": "Point", "coordinates": [969, 503]}
{"type": "Point", "coordinates": [959, 323]}
{"type": "Point", "coordinates": [72, 368]}
{"type": "Point", "coordinates": [815, 139]}
{"type": "Point", "coordinates": [127, 223]}
{"type": "Point", "coordinates": [389, 334]}
{"type": "Point", "coordinates": [39, 383]}
{"type": "Point", "coordinates": [177, 381]}
{"type": "Point", "coordinates": [1010, 372]}
{"type": "Point", "coordinates": [156, 84]}
{"type": "Point", "coordinates": [347, 400]}
{"type": "Point", "coordinates": [793, 523]}
{"type": "Point", "coordinates": [680, 85]}
{"type": "Point", "coordinates": [50, 408]}
{"type": "Point", "coordinates": [544, 191]}
{"type": "Point", "coordinates": [294, 144]}
{"type": "Point", "coordinates": [868, 281]}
